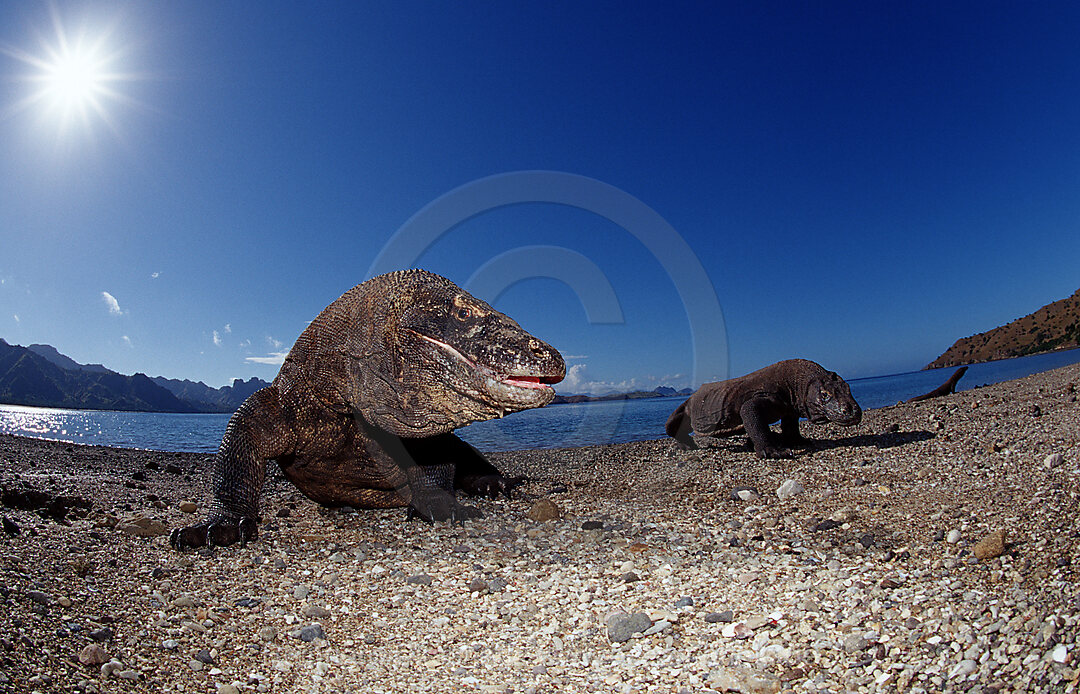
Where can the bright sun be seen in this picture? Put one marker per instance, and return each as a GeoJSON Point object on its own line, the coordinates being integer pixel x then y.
{"type": "Point", "coordinates": [72, 77]}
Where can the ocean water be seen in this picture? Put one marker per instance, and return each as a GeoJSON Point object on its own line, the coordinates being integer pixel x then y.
{"type": "Point", "coordinates": [555, 426]}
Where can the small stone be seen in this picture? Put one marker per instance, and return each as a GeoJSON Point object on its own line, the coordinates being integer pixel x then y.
{"type": "Point", "coordinates": [963, 668]}
{"type": "Point", "coordinates": [736, 631]}
{"type": "Point", "coordinates": [92, 655]}
{"type": "Point", "coordinates": [312, 632]}
{"type": "Point", "coordinates": [102, 634]}
{"type": "Point", "coordinates": [720, 617]}
{"type": "Point", "coordinates": [789, 489]}
{"type": "Point", "coordinates": [622, 626]}
{"type": "Point", "coordinates": [684, 602]}
{"type": "Point", "coordinates": [130, 675]}
{"type": "Point", "coordinates": [953, 537]}
{"type": "Point", "coordinates": [141, 526]}
{"type": "Point", "coordinates": [267, 633]}
{"type": "Point", "coordinates": [228, 689]}
{"type": "Point", "coordinates": [993, 545]}
{"type": "Point", "coordinates": [745, 494]}
{"type": "Point", "coordinates": [939, 535]}
{"type": "Point", "coordinates": [204, 657]}
{"type": "Point", "coordinates": [741, 679]}
{"type": "Point", "coordinates": [544, 510]}
{"type": "Point", "coordinates": [629, 577]}
{"type": "Point", "coordinates": [855, 643]}
{"type": "Point", "coordinates": [38, 597]}
{"type": "Point", "coordinates": [315, 612]}
{"type": "Point", "coordinates": [478, 585]}
{"type": "Point", "coordinates": [592, 525]}
{"type": "Point", "coordinates": [1060, 653]}
{"type": "Point", "coordinates": [188, 507]}
{"type": "Point", "coordinates": [419, 579]}
{"type": "Point", "coordinates": [184, 601]}
{"type": "Point", "coordinates": [1054, 460]}
{"type": "Point", "coordinates": [301, 592]}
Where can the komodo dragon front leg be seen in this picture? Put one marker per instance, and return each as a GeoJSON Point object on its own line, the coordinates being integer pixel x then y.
{"type": "Point", "coordinates": [257, 432]}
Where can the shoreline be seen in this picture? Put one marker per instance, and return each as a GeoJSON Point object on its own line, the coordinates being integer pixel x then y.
{"type": "Point", "coordinates": [844, 586]}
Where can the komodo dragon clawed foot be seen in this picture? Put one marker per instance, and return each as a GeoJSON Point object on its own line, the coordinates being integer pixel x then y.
{"type": "Point", "coordinates": [490, 486]}
{"type": "Point", "coordinates": [212, 533]}
{"type": "Point", "coordinates": [436, 505]}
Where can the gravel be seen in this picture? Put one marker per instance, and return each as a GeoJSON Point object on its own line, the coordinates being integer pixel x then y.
{"type": "Point", "coordinates": [932, 547]}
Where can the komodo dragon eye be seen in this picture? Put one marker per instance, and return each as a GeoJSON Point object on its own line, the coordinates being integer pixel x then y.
{"type": "Point", "coordinates": [825, 395]}
{"type": "Point", "coordinates": [464, 313]}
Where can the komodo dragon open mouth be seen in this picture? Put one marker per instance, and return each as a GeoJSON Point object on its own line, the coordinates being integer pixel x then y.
{"type": "Point", "coordinates": [498, 384]}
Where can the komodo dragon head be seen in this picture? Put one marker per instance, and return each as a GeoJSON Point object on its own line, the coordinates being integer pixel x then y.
{"type": "Point", "coordinates": [437, 358]}
{"type": "Point", "coordinates": [828, 399]}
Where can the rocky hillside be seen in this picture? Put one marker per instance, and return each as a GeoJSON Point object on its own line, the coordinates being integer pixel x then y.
{"type": "Point", "coordinates": [40, 375]}
{"type": "Point", "coordinates": [1054, 326]}
{"type": "Point", "coordinates": [28, 378]}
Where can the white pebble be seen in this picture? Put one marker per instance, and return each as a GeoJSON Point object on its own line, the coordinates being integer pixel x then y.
{"type": "Point", "coordinates": [953, 537]}
{"type": "Point", "coordinates": [789, 489]}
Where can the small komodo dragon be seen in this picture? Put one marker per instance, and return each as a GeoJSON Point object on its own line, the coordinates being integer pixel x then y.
{"type": "Point", "coordinates": [784, 391]}
{"type": "Point", "coordinates": [362, 411]}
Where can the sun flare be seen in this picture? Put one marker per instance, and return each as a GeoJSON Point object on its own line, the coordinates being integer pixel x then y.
{"type": "Point", "coordinates": [73, 77]}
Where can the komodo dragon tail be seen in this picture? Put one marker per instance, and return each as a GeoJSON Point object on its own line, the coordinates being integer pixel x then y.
{"type": "Point", "coordinates": [678, 427]}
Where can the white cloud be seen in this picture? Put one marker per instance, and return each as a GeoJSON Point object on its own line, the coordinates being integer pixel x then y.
{"type": "Point", "coordinates": [228, 327]}
{"type": "Point", "coordinates": [217, 339]}
{"type": "Point", "coordinates": [155, 275]}
{"type": "Point", "coordinates": [17, 318]}
{"type": "Point", "coordinates": [274, 359]}
{"type": "Point", "coordinates": [577, 381]}
{"type": "Point", "coordinates": [127, 340]}
{"type": "Point", "coordinates": [575, 356]}
{"type": "Point", "coordinates": [276, 344]}
{"type": "Point", "coordinates": [244, 344]}
{"type": "Point", "coordinates": [112, 303]}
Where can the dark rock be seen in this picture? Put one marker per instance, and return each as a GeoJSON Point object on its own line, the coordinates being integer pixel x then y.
{"type": "Point", "coordinates": [102, 634]}
{"type": "Point", "coordinates": [1035, 411]}
{"type": "Point", "coordinates": [827, 524]}
{"type": "Point", "coordinates": [10, 527]}
{"type": "Point", "coordinates": [720, 617]}
{"type": "Point", "coordinates": [939, 535]}
{"type": "Point", "coordinates": [684, 602]}
{"type": "Point", "coordinates": [497, 584]}
{"type": "Point", "coordinates": [867, 541]}
{"type": "Point", "coordinates": [629, 577]}
{"type": "Point", "coordinates": [283, 513]}
{"type": "Point", "coordinates": [592, 525]}
{"type": "Point", "coordinates": [478, 585]}
{"type": "Point", "coordinates": [622, 626]}
{"type": "Point", "coordinates": [204, 657]}
{"type": "Point", "coordinates": [312, 632]}
{"type": "Point", "coordinates": [419, 579]}
{"type": "Point", "coordinates": [247, 602]}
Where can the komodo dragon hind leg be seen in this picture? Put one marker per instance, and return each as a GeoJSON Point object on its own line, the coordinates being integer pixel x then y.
{"type": "Point", "coordinates": [256, 433]}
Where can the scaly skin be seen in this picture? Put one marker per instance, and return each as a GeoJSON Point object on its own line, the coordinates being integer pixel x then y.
{"type": "Point", "coordinates": [363, 409]}
{"type": "Point", "coordinates": [782, 392]}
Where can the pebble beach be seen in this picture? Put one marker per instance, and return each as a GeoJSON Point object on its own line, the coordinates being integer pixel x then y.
{"type": "Point", "coordinates": [933, 547]}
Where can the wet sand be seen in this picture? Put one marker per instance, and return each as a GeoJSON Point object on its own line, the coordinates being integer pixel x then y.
{"type": "Point", "coordinates": [656, 578]}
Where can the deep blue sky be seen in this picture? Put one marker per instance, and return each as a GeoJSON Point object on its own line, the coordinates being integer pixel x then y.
{"type": "Point", "coordinates": [863, 183]}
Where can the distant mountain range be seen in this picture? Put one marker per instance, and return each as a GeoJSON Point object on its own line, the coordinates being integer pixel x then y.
{"type": "Point", "coordinates": [1054, 326]}
{"type": "Point", "coordinates": [661, 392]}
{"type": "Point", "coordinates": [40, 375]}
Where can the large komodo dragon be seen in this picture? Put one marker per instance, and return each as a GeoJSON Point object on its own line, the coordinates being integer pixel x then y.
{"type": "Point", "coordinates": [362, 411]}
{"type": "Point", "coordinates": [784, 391]}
